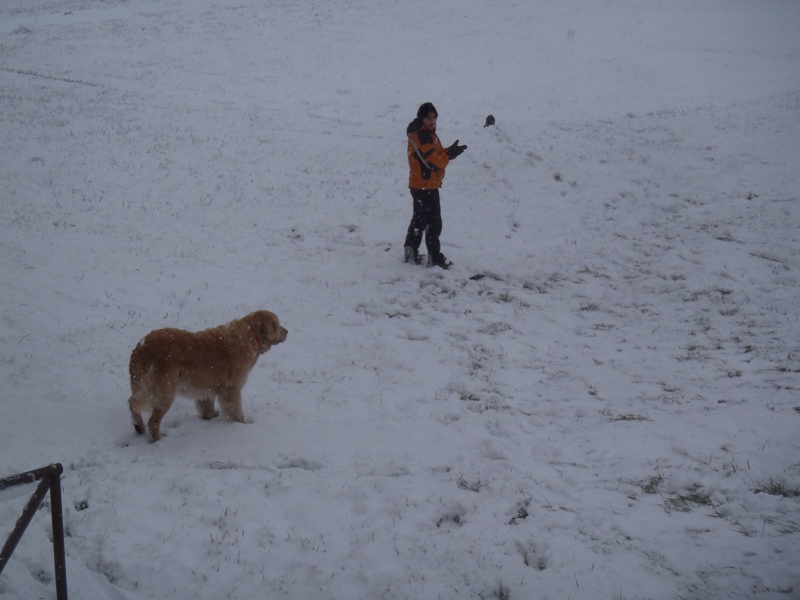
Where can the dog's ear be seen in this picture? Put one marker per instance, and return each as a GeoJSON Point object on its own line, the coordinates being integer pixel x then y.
{"type": "Point", "coordinates": [264, 334]}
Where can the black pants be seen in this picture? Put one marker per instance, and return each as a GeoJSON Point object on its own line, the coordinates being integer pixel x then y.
{"type": "Point", "coordinates": [427, 219]}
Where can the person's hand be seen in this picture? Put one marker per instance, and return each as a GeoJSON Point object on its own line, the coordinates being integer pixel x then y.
{"type": "Point", "coordinates": [454, 150]}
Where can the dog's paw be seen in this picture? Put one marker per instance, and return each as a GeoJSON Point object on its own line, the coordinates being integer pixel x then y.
{"type": "Point", "coordinates": [248, 420]}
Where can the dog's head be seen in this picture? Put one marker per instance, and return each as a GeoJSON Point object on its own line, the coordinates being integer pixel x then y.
{"type": "Point", "coordinates": [267, 329]}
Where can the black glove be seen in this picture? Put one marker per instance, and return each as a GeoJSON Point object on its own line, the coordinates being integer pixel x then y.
{"type": "Point", "coordinates": [454, 150]}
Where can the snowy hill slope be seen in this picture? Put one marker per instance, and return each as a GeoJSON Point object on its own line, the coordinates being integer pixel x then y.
{"type": "Point", "coordinates": [599, 400]}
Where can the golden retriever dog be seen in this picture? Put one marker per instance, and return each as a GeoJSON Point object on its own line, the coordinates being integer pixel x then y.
{"type": "Point", "coordinates": [206, 365]}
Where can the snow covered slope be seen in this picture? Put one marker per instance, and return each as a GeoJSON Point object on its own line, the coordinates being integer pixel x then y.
{"type": "Point", "coordinates": [600, 399]}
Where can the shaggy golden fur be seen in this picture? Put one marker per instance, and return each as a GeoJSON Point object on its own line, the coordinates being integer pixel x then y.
{"type": "Point", "coordinates": [206, 365]}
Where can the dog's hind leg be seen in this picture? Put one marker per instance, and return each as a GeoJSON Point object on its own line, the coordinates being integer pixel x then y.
{"type": "Point", "coordinates": [154, 423]}
{"type": "Point", "coordinates": [136, 415]}
{"type": "Point", "coordinates": [140, 400]}
{"type": "Point", "coordinates": [161, 399]}
{"type": "Point", "coordinates": [205, 407]}
{"type": "Point", "coordinates": [230, 403]}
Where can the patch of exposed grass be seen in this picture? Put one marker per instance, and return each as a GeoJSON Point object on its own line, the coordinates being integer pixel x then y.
{"type": "Point", "coordinates": [471, 486]}
{"type": "Point", "coordinates": [454, 518]}
{"type": "Point", "coordinates": [670, 389]}
{"type": "Point", "coordinates": [777, 488]}
{"type": "Point", "coordinates": [468, 396]}
{"type": "Point", "coordinates": [532, 285]}
{"type": "Point", "coordinates": [521, 515]}
{"type": "Point", "coordinates": [495, 328]}
{"type": "Point", "coordinates": [593, 272]}
{"type": "Point", "coordinates": [685, 502]}
{"type": "Point", "coordinates": [651, 485]}
{"type": "Point", "coordinates": [693, 352]}
{"type": "Point", "coordinates": [631, 417]}
{"type": "Point", "coordinates": [505, 297]}
{"type": "Point", "coordinates": [744, 529]}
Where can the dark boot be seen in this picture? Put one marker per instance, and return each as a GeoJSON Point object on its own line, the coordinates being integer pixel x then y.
{"type": "Point", "coordinates": [438, 261]}
{"type": "Point", "coordinates": [411, 255]}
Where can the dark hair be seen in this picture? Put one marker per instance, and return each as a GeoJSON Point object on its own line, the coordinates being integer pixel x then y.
{"type": "Point", "coordinates": [426, 109]}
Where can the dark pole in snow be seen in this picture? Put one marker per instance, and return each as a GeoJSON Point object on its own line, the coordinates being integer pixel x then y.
{"type": "Point", "coordinates": [50, 482]}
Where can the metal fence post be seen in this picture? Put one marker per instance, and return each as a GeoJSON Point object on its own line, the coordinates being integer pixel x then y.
{"type": "Point", "coordinates": [50, 481]}
{"type": "Point", "coordinates": [59, 555]}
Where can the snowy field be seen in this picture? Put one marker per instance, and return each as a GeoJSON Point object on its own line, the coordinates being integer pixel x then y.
{"type": "Point", "coordinates": [599, 400]}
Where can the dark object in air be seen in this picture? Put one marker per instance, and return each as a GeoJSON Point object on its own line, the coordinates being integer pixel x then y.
{"type": "Point", "coordinates": [489, 120]}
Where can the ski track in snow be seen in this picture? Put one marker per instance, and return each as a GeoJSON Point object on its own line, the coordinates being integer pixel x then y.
{"type": "Point", "coordinates": [598, 400]}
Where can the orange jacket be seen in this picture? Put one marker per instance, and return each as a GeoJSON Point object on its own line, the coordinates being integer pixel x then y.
{"type": "Point", "coordinates": [427, 160]}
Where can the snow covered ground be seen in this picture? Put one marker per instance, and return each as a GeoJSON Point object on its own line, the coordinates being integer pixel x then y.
{"type": "Point", "coordinates": [601, 399]}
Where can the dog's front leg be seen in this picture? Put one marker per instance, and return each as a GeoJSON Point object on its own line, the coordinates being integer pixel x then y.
{"type": "Point", "coordinates": [230, 403]}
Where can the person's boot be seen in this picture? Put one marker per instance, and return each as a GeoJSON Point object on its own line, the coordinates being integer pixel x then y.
{"type": "Point", "coordinates": [411, 255]}
{"type": "Point", "coordinates": [439, 261]}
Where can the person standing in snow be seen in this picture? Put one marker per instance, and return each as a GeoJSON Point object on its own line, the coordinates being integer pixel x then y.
{"type": "Point", "coordinates": [427, 160]}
